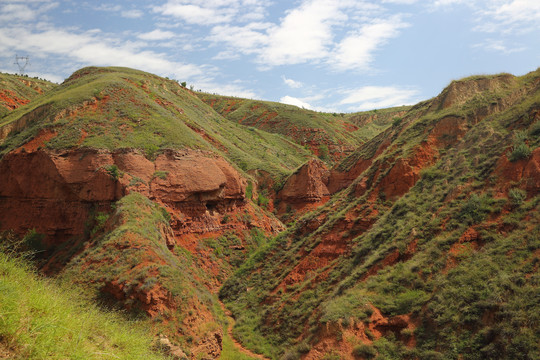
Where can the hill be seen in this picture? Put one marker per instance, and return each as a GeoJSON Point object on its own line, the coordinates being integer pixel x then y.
{"type": "Point", "coordinates": [420, 241]}
{"type": "Point", "coordinates": [328, 136]}
{"type": "Point", "coordinates": [16, 91]}
{"type": "Point", "coordinates": [428, 247]}
{"type": "Point", "coordinates": [88, 162]}
{"type": "Point", "coordinates": [43, 319]}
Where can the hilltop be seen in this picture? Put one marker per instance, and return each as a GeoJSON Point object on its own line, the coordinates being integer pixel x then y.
{"type": "Point", "coordinates": [401, 233]}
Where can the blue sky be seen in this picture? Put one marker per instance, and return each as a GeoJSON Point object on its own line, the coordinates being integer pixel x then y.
{"type": "Point", "coordinates": [326, 55]}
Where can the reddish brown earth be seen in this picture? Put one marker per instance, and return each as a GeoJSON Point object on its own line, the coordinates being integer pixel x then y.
{"type": "Point", "coordinates": [10, 100]}
{"type": "Point", "coordinates": [524, 173]}
{"type": "Point", "coordinates": [306, 188]}
{"type": "Point", "coordinates": [54, 192]}
{"type": "Point", "coordinates": [339, 340]}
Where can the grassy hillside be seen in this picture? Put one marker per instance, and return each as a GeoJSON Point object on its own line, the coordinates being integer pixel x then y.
{"type": "Point", "coordinates": [326, 135]}
{"type": "Point", "coordinates": [114, 108]}
{"type": "Point", "coordinates": [40, 319]}
{"type": "Point", "coordinates": [17, 90]}
{"type": "Point", "coordinates": [431, 253]}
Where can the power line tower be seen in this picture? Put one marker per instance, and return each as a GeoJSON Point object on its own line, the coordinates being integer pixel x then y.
{"type": "Point", "coordinates": [22, 62]}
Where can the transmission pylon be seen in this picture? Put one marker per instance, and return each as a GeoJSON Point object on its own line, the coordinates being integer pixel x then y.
{"type": "Point", "coordinates": [22, 62]}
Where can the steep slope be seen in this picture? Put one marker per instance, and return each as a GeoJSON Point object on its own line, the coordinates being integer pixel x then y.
{"type": "Point", "coordinates": [37, 313]}
{"type": "Point", "coordinates": [329, 136]}
{"type": "Point", "coordinates": [120, 179]}
{"type": "Point", "coordinates": [429, 248]}
{"type": "Point", "coordinates": [16, 91]}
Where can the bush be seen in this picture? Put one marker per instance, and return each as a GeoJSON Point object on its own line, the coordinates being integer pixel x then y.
{"type": "Point", "coordinates": [535, 129]}
{"type": "Point", "coordinates": [34, 240]}
{"type": "Point", "coordinates": [324, 154]}
{"type": "Point", "coordinates": [161, 174]}
{"type": "Point", "coordinates": [476, 208]}
{"type": "Point", "coordinates": [520, 151]}
{"type": "Point", "coordinates": [517, 196]}
{"type": "Point", "coordinates": [113, 171]}
{"type": "Point", "coordinates": [365, 351]}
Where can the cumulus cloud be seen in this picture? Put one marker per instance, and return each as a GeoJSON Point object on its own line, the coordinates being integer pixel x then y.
{"type": "Point", "coordinates": [312, 32]}
{"type": "Point", "coordinates": [510, 16]}
{"type": "Point", "coordinates": [156, 35]}
{"type": "Point", "coordinates": [292, 83]}
{"type": "Point", "coordinates": [376, 97]}
{"type": "Point", "coordinates": [212, 11]}
{"type": "Point", "coordinates": [92, 48]}
{"type": "Point", "coordinates": [357, 49]}
{"type": "Point", "coordinates": [17, 11]}
{"type": "Point", "coordinates": [295, 101]}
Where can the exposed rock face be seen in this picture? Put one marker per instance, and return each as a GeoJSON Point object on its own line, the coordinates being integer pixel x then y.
{"type": "Point", "coordinates": [54, 191]}
{"type": "Point", "coordinates": [306, 186]}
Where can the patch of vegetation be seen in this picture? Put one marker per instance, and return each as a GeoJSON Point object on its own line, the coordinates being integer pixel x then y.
{"type": "Point", "coordinates": [36, 313]}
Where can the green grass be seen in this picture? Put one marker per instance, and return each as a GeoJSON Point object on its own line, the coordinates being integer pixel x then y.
{"type": "Point", "coordinates": [451, 303]}
{"type": "Point", "coordinates": [40, 319]}
{"type": "Point", "coordinates": [22, 87]}
{"type": "Point", "coordinates": [143, 111]}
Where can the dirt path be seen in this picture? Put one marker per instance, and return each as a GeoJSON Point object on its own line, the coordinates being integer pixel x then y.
{"type": "Point", "coordinates": [230, 324]}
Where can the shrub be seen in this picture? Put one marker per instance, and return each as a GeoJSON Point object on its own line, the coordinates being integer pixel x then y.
{"type": "Point", "coordinates": [34, 240]}
{"type": "Point", "coordinates": [161, 174]}
{"type": "Point", "coordinates": [535, 129]}
{"type": "Point", "coordinates": [324, 154]}
{"type": "Point", "coordinates": [365, 351]}
{"type": "Point", "coordinates": [520, 151]}
{"type": "Point", "coordinates": [113, 171]}
{"type": "Point", "coordinates": [262, 201]}
{"type": "Point", "coordinates": [517, 196]}
{"type": "Point", "coordinates": [396, 121]}
{"type": "Point", "coordinates": [476, 208]}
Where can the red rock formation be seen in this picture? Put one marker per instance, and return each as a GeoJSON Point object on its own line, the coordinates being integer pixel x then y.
{"type": "Point", "coordinates": [307, 186]}
{"type": "Point", "coordinates": [54, 191]}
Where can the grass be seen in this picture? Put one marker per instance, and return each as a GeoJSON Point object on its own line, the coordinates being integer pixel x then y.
{"type": "Point", "coordinates": [450, 293]}
{"type": "Point", "coordinates": [112, 108]}
{"type": "Point", "coordinates": [41, 319]}
{"type": "Point", "coordinates": [21, 89]}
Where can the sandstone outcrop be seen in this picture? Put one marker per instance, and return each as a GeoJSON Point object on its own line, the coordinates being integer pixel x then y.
{"type": "Point", "coordinates": [55, 191]}
{"type": "Point", "coordinates": [307, 186]}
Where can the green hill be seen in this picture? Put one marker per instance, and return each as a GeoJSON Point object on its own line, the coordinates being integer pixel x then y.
{"type": "Point", "coordinates": [16, 91]}
{"type": "Point", "coordinates": [112, 108]}
{"type": "Point", "coordinates": [432, 252]}
{"type": "Point", "coordinates": [41, 319]}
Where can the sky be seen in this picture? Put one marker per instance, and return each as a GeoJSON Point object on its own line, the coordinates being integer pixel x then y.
{"type": "Point", "coordinates": [325, 55]}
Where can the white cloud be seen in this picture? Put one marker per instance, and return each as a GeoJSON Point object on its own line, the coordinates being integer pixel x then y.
{"type": "Point", "coordinates": [295, 101]}
{"type": "Point", "coordinates": [156, 35]}
{"type": "Point", "coordinates": [246, 39]}
{"type": "Point", "coordinates": [312, 32]}
{"type": "Point", "coordinates": [132, 14]}
{"type": "Point", "coordinates": [13, 11]}
{"type": "Point", "coordinates": [406, 2]}
{"type": "Point", "coordinates": [92, 48]}
{"type": "Point", "coordinates": [292, 83]}
{"type": "Point", "coordinates": [376, 97]}
{"type": "Point", "coordinates": [230, 89]}
{"type": "Point", "coordinates": [498, 46]}
{"type": "Point", "coordinates": [356, 51]}
{"type": "Point", "coordinates": [213, 12]}
{"type": "Point", "coordinates": [510, 16]}
{"type": "Point", "coordinates": [304, 34]}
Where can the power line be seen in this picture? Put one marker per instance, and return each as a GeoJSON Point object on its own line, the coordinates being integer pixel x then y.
{"type": "Point", "coordinates": [22, 62]}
